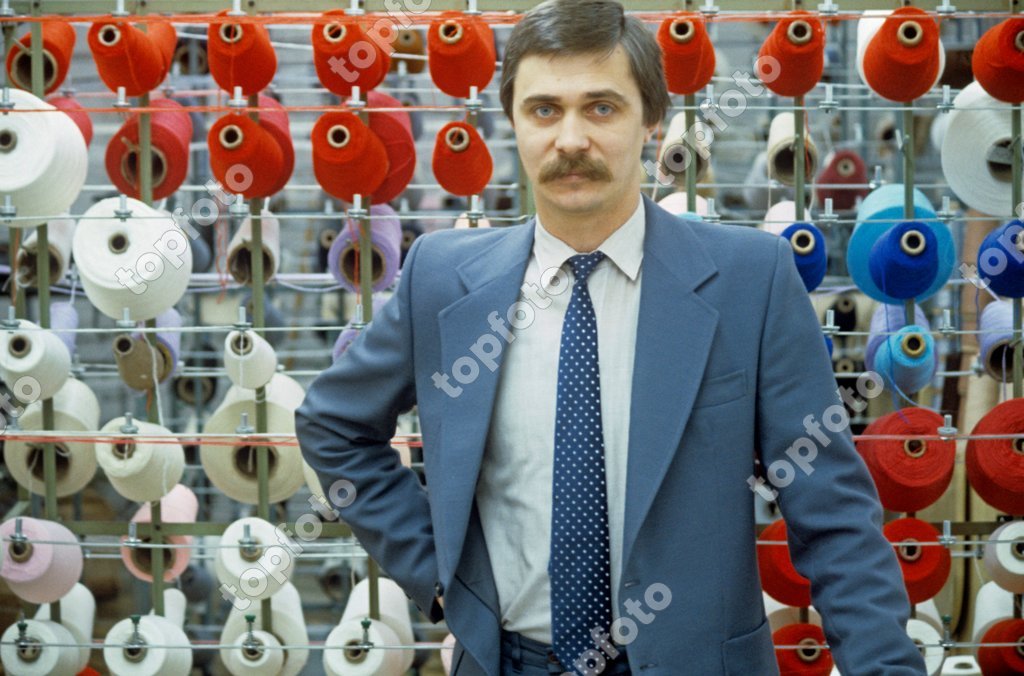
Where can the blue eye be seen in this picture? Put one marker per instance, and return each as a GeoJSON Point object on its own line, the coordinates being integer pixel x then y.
{"type": "Point", "coordinates": [543, 111]}
{"type": "Point", "coordinates": [604, 109]}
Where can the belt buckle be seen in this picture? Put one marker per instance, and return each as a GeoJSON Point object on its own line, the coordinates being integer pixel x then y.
{"type": "Point", "coordinates": [554, 664]}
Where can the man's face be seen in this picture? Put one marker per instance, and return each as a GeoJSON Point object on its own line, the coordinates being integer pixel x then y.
{"type": "Point", "coordinates": [579, 127]}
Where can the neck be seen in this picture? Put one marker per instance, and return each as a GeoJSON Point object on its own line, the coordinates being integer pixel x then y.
{"type": "Point", "coordinates": [585, 232]}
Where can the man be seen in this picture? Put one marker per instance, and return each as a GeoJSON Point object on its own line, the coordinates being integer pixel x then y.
{"type": "Point", "coordinates": [593, 388]}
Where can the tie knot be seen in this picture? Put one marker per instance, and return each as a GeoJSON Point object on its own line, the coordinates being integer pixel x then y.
{"type": "Point", "coordinates": [584, 264]}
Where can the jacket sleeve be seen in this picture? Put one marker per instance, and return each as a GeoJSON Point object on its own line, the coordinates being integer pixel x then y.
{"type": "Point", "coordinates": [345, 426]}
{"type": "Point", "coordinates": [825, 492]}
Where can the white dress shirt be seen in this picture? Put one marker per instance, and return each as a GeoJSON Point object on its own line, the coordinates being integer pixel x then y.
{"type": "Point", "coordinates": [514, 490]}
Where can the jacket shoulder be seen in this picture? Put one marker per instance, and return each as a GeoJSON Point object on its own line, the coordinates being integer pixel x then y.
{"type": "Point", "coordinates": [737, 245]}
{"type": "Point", "coordinates": [456, 245]}
{"type": "Point", "coordinates": [739, 235]}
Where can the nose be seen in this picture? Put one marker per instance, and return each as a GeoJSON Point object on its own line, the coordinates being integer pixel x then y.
{"type": "Point", "coordinates": [572, 134]}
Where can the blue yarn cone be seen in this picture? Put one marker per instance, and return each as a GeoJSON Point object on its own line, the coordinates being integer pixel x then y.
{"type": "Point", "coordinates": [1001, 263]}
{"type": "Point", "coordinates": [880, 210]}
{"type": "Point", "coordinates": [809, 252]}
{"type": "Point", "coordinates": [904, 261]}
{"type": "Point", "coordinates": [907, 359]}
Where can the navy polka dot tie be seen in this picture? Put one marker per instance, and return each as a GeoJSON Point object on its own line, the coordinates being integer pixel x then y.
{"type": "Point", "coordinates": [579, 565]}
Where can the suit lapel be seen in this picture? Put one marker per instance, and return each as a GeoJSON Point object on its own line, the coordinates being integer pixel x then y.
{"type": "Point", "coordinates": [492, 280]}
{"type": "Point", "coordinates": [674, 335]}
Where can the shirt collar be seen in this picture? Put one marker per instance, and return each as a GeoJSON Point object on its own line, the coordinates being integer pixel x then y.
{"type": "Point", "coordinates": [625, 246]}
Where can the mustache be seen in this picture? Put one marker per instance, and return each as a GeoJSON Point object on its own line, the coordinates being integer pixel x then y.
{"type": "Point", "coordinates": [574, 164]}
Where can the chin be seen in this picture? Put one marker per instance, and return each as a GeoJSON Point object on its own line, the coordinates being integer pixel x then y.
{"type": "Point", "coordinates": [577, 200]}
{"type": "Point", "coordinates": [577, 206]}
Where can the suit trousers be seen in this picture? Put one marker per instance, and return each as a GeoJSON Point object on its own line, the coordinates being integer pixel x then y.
{"type": "Point", "coordinates": [523, 656]}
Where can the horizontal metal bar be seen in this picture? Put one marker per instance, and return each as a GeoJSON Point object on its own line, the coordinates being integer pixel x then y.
{"type": "Point", "coordinates": [330, 529]}
{"type": "Point", "coordinates": [177, 7]}
{"type": "Point", "coordinates": [338, 529]}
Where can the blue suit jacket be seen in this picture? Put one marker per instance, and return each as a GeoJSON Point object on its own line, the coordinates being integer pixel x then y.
{"type": "Point", "coordinates": [729, 361]}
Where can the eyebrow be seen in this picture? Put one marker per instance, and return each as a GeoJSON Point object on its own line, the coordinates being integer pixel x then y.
{"type": "Point", "coordinates": [610, 94]}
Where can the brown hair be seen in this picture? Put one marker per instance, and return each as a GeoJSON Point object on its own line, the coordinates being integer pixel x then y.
{"type": "Point", "coordinates": [556, 27]}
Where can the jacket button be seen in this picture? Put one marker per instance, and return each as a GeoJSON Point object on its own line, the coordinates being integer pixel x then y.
{"type": "Point", "coordinates": [439, 588]}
